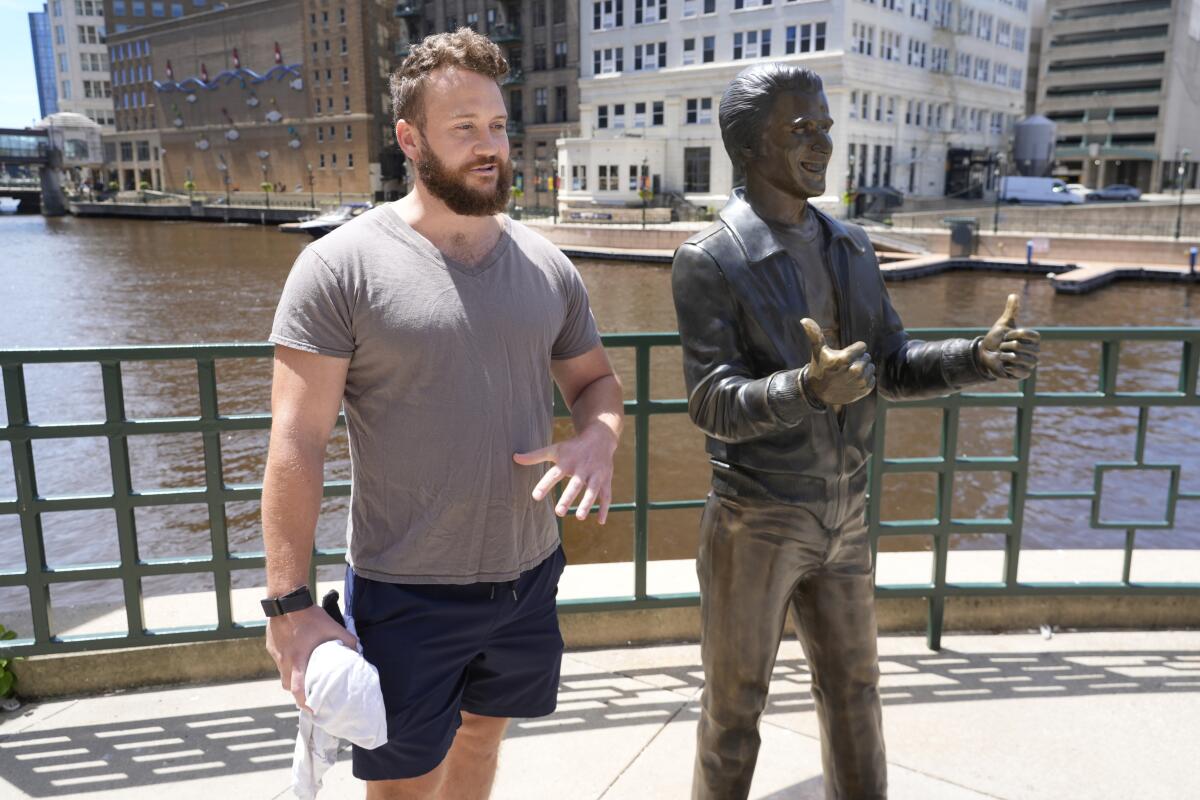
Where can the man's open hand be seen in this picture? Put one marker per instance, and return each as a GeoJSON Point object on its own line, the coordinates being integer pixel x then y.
{"type": "Point", "coordinates": [291, 639]}
{"type": "Point", "coordinates": [587, 460]}
{"type": "Point", "coordinates": [1008, 351]}
{"type": "Point", "coordinates": [837, 377]}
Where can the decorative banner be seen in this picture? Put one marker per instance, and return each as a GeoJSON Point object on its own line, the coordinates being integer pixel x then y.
{"type": "Point", "coordinates": [191, 98]}
{"type": "Point", "coordinates": [170, 71]}
{"type": "Point", "coordinates": [294, 138]}
{"type": "Point", "coordinates": [203, 72]}
{"type": "Point", "coordinates": [273, 115]}
{"type": "Point", "coordinates": [298, 84]}
{"type": "Point", "coordinates": [278, 54]}
{"type": "Point", "coordinates": [263, 154]}
{"type": "Point", "coordinates": [202, 144]}
{"type": "Point", "coordinates": [237, 62]}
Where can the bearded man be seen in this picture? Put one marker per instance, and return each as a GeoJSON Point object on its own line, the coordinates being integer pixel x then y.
{"type": "Point", "coordinates": [438, 322]}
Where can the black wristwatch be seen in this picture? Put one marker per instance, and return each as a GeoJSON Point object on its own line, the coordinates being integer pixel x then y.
{"type": "Point", "coordinates": [295, 600]}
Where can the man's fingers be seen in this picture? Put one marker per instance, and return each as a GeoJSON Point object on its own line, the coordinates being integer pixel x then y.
{"type": "Point", "coordinates": [815, 338]}
{"type": "Point", "coordinates": [552, 476]}
{"type": "Point", "coordinates": [854, 352]}
{"type": "Point", "coordinates": [297, 688]}
{"type": "Point", "coordinates": [868, 375]}
{"type": "Point", "coordinates": [1019, 346]}
{"type": "Point", "coordinates": [605, 502]}
{"type": "Point", "coordinates": [537, 456]}
{"type": "Point", "coordinates": [1023, 335]}
{"type": "Point", "coordinates": [1009, 318]}
{"type": "Point", "coordinates": [585, 505]}
{"type": "Point", "coordinates": [568, 495]}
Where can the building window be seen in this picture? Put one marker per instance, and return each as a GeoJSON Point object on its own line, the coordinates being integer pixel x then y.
{"type": "Point", "coordinates": [1000, 75]}
{"type": "Point", "coordinates": [579, 178]}
{"type": "Point", "coordinates": [127, 151]}
{"type": "Point", "coordinates": [916, 53]}
{"type": "Point", "coordinates": [539, 56]}
{"type": "Point", "coordinates": [602, 117]}
{"type": "Point", "coordinates": [539, 13]}
{"type": "Point", "coordinates": [939, 59]}
{"type": "Point", "coordinates": [699, 111]}
{"type": "Point", "coordinates": [345, 46]}
{"type": "Point", "coordinates": [322, 161]}
{"type": "Point", "coordinates": [516, 105]}
{"type": "Point", "coordinates": [139, 8]}
{"type": "Point", "coordinates": [118, 8]}
{"type": "Point", "coordinates": [806, 38]}
{"type": "Point", "coordinates": [656, 115]}
{"type": "Point", "coordinates": [982, 67]}
{"type": "Point", "coordinates": [540, 101]}
{"type": "Point", "coordinates": [648, 11]}
{"type": "Point", "coordinates": [158, 10]}
{"type": "Point", "coordinates": [610, 176]}
{"type": "Point", "coordinates": [695, 169]}
{"type": "Point", "coordinates": [751, 44]}
{"type": "Point", "coordinates": [560, 103]}
{"type": "Point", "coordinates": [984, 31]}
{"type": "Point", "coordinates": [143, 151]}
{"type": "Point", "coordinates": [1018, 42]}
{"type": "Point", "coordinates": [349, 133]}
{"type": "Point", "coordinates": [349, 160]}
{"type": "Point", "coordinates": [608, 60]}
{"type": "Point", "coordinates": [559, 11]}
{"type": "Point", "coordinates": [341, 16]}
{"type": "Point", "coordinates": [863, 37]}
{"type": "Point", "coordinates": [652, 55]}
{"type": "Point", "coordinates": [618, 119]}
{"type": "Point", "coordinates": [608, 14]}
{"type": "Point", "coordinates": [320, 133]}
{"type": "Point", "coordinates": [919, 9]}
{"type": "Point", "coordinates": [865, 108]}
{"type": "Point", "coordinates": [689, 52]}
{"type": "Point", "coordinates": [854, 104]}
{"type": "Point", "coordinates": [1003, 33]}
{"type": "Point", "coordinates": [560, 55]}
{"type": "Point", "coordinates": [889, 45]}
{"type": "Point", "coordinates": [962, 65]}
{"type": "Point", "coordinates": [639, 115]}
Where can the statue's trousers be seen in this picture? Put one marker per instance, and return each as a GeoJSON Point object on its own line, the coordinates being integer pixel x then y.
{"type": "Point", "coordinates": [758, 558]}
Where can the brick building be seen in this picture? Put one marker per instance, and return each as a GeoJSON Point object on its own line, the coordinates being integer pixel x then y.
{"type": "Point", "coordinates": [288, 93]}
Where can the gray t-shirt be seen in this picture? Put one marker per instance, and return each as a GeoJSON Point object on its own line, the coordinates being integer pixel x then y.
{"type": "Point", "coordinates": [449, 376]}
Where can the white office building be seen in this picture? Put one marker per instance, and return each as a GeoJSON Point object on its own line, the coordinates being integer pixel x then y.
{"type": "Point", "coordinates": [81, 59]}
{"type": "Point", "coordinates": [923, 93]}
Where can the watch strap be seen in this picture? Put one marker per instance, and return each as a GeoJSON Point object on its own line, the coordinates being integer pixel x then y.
{"type": "Point", "coordinates": [296, 600]}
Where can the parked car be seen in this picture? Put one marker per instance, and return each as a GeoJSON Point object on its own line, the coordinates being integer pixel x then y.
{"type": "Point", "coordinates": [1079, 189]}
{"type": "Point", "coordinates": [1116, 191]}
{"type": "Point", "coordinates": [1019, 189]}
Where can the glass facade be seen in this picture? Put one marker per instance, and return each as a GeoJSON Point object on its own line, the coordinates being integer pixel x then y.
{"type": "Point", "coordinates": [43, 60]}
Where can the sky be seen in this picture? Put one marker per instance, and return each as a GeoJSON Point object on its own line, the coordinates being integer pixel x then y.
{"type": "Point", "coordinates": [18, 86]}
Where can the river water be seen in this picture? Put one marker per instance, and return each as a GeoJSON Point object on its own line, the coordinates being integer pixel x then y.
{"type": "Point", "coordinates": [89, 282]}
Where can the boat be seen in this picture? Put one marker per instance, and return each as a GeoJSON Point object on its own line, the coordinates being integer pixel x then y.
{"type": "Point", "coordinates": [318, 226]}
{"type": "Point", "coordinates": [9, 205]}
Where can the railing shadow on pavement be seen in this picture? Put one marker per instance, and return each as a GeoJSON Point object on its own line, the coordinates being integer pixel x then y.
{"type": "Point", "coordinates": [47, 762]}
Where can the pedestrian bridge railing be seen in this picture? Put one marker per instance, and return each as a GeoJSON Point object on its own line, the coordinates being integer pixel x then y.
{"type": "Point", "coordinates": [26, 504]}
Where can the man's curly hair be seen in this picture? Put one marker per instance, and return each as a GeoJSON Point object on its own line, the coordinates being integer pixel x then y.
{"type": "Point", "coordinates": [464, 48]}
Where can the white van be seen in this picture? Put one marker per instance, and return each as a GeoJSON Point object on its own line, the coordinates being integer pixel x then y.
{"type": "Point", "coordinates": [1017, 189]}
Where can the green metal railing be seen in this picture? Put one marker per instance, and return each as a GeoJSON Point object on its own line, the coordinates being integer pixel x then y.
{"type": "Point", "coordinates": [117, 429]}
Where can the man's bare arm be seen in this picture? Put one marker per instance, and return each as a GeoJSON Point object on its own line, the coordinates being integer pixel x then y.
{"type": "Point", "coordinates": [306, 395]}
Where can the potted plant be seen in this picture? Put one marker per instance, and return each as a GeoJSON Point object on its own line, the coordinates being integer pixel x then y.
{"type": "Point", "coordinates": [190, 186]}
{"type": "Point", "coordinates": [8, 678]}
{"type": "Point", "coordinates": [517, 194]}
{"type": "Point", "coordinates": [144, 187]}
{"type": "Point", "coordinates": [266, 187]}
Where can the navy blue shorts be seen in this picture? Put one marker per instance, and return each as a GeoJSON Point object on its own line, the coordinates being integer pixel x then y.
{"type": "Point", "coordinates": [492, 649]}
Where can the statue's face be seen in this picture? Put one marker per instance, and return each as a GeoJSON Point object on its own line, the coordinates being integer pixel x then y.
{"type": "Point", "coordinates": [796, 145]}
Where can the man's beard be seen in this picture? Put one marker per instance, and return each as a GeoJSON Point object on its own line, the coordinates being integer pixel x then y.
{"type": "Point", "coordinates": [451, 186]}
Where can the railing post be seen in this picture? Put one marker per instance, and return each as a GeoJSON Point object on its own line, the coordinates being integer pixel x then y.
{"type": "Point", "coordinates": [27, 493]}
{"type": "Point", "coordinates": [641, 492]}
{"type": "Point", "coordinates": [214, 491]}
{"type": "Point", "coordinates": [122, 488]}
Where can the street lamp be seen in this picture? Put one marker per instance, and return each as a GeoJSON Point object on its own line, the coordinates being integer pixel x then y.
{"type": "Point", "coordinates": [850, 184]}
{"type": "Point", "coordinates": [996, 178]}
{"type": "Point", "coordinates": [338, 172]}
{"type": "Point", "coordinates": [312, 198]}
{"type": "Point", "coordinates": [1182, 158]}
{"type": "Point", "coordinates": [554, 188]}
{"type": "Point", "coordinates": [265, 186]}
{"type": "Point", "coordinates": [224, 168]}
{"type": "Point", "coordinates": [643, 189]}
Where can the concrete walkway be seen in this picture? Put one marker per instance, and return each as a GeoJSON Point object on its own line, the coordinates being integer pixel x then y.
{"type": "Point", "coordinates": [1079, 715]}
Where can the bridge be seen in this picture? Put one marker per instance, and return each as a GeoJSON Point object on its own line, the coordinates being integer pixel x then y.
{"type": "Point", "coordinates": [29, 150]}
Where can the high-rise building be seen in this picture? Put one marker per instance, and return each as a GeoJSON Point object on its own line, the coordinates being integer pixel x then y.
{"type": "Point", "coordinates": [237, 95]}
{"type": "Point", "coordinates": [80, 59]}
{"type": "Point", "coordinates": [540, 40]}
{"type": "Point", "coordinates": [1120, 80]}
{"type": "Point", "coordinates": [43, 60]}
{"type": "Point", "coordinates": [923, 93]}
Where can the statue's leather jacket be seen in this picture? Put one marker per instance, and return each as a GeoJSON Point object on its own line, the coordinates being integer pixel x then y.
{"type": "Point", "coordinates": [739, 301]}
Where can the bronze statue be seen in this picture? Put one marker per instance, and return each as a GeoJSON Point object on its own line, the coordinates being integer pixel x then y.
{"type": "Point", "coordinates": [788, 336]}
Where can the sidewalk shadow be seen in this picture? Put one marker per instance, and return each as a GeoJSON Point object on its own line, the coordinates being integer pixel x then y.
{"type": "Point", "coordinates": [127, 753]}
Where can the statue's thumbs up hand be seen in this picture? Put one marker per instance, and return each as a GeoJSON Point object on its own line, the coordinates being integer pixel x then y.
{"type": "Point", "coordinates": [1007, 351]}
{"type": "Point", "coordinates": [836, 377]}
